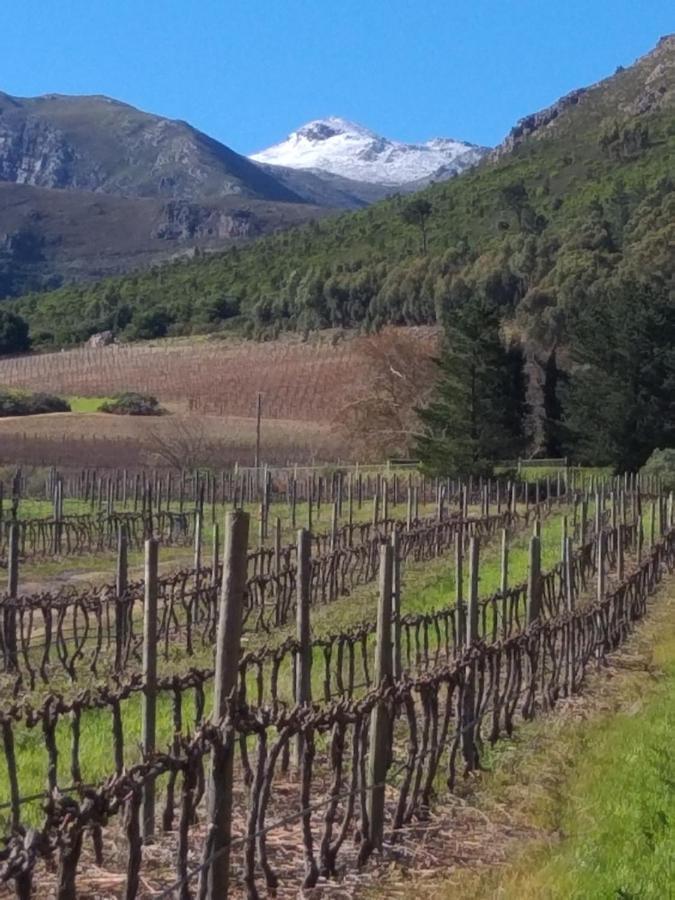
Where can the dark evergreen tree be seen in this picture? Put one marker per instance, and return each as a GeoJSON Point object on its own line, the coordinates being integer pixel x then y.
{"type": "Point", "coordinates": [620, 405]}
{"type": "Point", "coordinates": [14, 336]}
{"type": "Point", "coordinates": [475, 417]}
{"type": "Point", "coordinates": [554, 385]}
{"type": "Point", "coordinates": [417, 212]}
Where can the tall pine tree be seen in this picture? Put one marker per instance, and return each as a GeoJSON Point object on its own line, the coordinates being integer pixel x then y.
{"type": "Point", "coordinates": [475, 417]}
{"type": "Point", "coordinates": [620, 405]}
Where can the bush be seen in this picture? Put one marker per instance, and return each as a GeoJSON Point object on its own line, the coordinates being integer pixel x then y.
{"type": "Point", "coordinates": [662, 465]}
{"type": "Point", "coordinates": [131, 404]}
{"type": "Point", "coordinates": [18, 403]}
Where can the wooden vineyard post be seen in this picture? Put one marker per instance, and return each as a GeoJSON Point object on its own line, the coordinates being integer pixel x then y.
{"type": "Point", "coordinates": [584, 521]}
{"type": "Point", "coordinates": [600, 563]}
{"type": "Point", "coordinates": [534, 586]}
{"type": "Point", "coordinates": [11, 655]}
{"type": "Point", "coordinates": [378, 754]}
{"type": "Point", "coordinates": [350, 505]}
{"type": "Point", "coordinates": [303, 665]}
{"type": "Point", "coordinates": [150, 680]}
{"type": "Point", "coordinates": [258, 421]}
{"type": "Point", "coordinates": [504, 567]}
{"type": "Point", "coordinates": [261, 526]}
{"type": "Point", "coordinates": [469, 749]}
{"type": "Point", "coordinates": [396, 602]}
{"type": "Point", "coordinates": [215, 876]}
{"type": "Point", "coordinates": [197, 560]}
{"type": "Point", "coordinates": [121, 585]}
{"type": "Point", "coordinates": [569, 574]}
{"type": "Point", "coordinates": [277, 544]}
{"type": "Point", "coordinates": [215, 554]}
{"type": "Point", "coordinates": [652, 525]}
{"type": "Point", "coordinates": [334, 527]}
{"type": "Point", "coordinates": [376, 506]}
{"type": "Point", "coordinates": [459, 585]}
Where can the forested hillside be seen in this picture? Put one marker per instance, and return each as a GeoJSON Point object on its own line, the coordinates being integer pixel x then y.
{"type": "Point", "coordinates": [579, 197]}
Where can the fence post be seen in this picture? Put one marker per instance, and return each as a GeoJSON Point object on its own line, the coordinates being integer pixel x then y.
{"type": "Point", "coordinates": [150, 680]}
{"type": "Point", "coordinates": [600, 565]}
{"type": "Point", "coordinates": [121, 584]}
{"type": "Point", "coordinates": [379, 720]}
{"type": "Point", "coordinates": [216, 876]}
{"type": "Point", "coordinates": [215, 554]}
{"type": "Point", "coordinates": [469, 749]}
{"type": "Point", "coordinates": [303, 666]}
{"type": "Point", "coordinates": [198, 542]}
{"type": "Point", "coordinates": [534, 581]}
{"type": "Point", "coordinates": [620, 535]}
{"type": "Point", "coordinates": [652, 525]}
{"type": "Point", "coordinates": [504, 568]}
{"type": "Point", "coordinates": [569, 574]}
{"type": "Point", "coordinates": [459, 585]}
{"type": "Point", "coordinates": [334, 527]}
{"type": "Point", "coordinates": [11, 654]}
{"type": "Point", "coordinates": [396, 602]}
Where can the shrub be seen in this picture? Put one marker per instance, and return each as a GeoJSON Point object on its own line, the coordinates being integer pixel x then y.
{"type": "Point", "coordinates": [662, 465]}
{"type": "Point", "coordinates": [131, 404]}
{"type": "Point", "coordinates": [19, 403]}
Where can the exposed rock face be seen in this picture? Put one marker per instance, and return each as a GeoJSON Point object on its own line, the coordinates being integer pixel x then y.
{"type": "Point", "coordinates": [94, 143]}
{"type": "Point", "coordinates": [536, 122]}
{"type": "Point", "coordinates": [190, 221]}
{"type": "Point", "coordinates": [33, 152]}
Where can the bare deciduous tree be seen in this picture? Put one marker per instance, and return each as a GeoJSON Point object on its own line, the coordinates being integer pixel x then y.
{"type": "Point", "coordinates": [181, 443]}
{"type": "Point", "coordinates": [380, 419]}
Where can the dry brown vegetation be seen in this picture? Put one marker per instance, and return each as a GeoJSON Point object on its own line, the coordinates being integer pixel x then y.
{"type": "Point", "coordinates": [334, 396]}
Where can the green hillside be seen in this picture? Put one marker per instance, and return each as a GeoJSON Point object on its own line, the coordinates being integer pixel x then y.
{"type": "Point", "coordinates": [581, 196]}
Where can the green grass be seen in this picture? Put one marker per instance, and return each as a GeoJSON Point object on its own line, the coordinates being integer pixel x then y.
{"type": "Point", "coordinates": [86, 404]}
{"type": "Point", "coordinates": [599, 787]}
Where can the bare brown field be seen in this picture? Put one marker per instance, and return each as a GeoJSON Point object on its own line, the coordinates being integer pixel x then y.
{"type": "Point", "coordinates": [299, 379]}
{"type": "Point", "coordinates": [85, 439]}
{"type": "Point", "coordinates": [310, 391]}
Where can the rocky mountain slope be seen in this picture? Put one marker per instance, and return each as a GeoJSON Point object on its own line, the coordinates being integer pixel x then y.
{"type": "Point", "coordinates": [91, 187]}
{"type": "Point", "coordinates": [98, 144]}
{"type": "Point", "coordinates": [339, 147]}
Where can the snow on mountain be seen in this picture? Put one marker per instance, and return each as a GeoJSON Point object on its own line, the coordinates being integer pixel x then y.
{"type": "Point", "coordinates": [351, 151]}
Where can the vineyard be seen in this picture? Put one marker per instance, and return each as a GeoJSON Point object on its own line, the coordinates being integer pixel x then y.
{"type": "Point", "coordinates": [323, 731]}
{"type": "Point", "coordinates": [213, 377]}
{"type": "Point", "coordinates": [211, 389]}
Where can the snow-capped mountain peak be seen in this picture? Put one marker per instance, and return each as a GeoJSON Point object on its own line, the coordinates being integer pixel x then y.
{"type": "Point", "coordinates": [344, 148]}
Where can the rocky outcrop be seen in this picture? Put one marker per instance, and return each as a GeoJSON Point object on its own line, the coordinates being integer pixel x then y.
{"type": "Point", "coordinates": [190, 221]}
{"type": "Point", "coordinates": [538, 121]}
{"type": "Point", "coordinates": [102, 339]}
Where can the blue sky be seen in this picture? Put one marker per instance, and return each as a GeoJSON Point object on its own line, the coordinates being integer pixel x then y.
{"type": "Point", "coordinates": [249, 71]}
